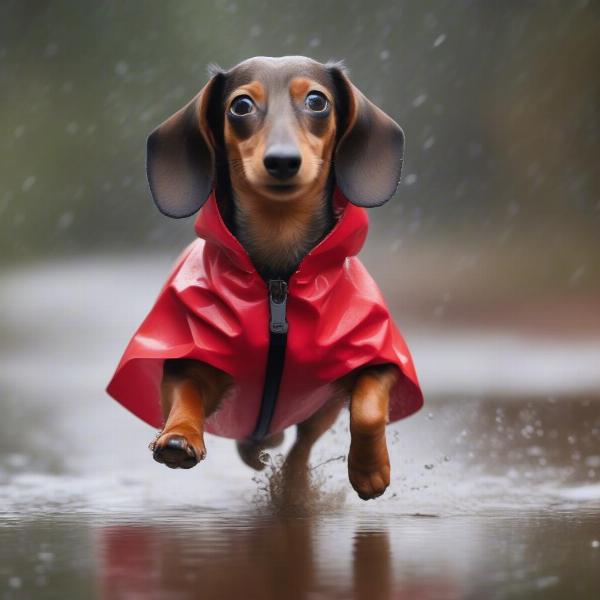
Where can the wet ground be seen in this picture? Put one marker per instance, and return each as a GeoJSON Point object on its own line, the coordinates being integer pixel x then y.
{"type": "Point", "coordinates": [495, 491]}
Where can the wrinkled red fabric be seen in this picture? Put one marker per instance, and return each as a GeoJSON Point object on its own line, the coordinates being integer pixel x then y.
{"type": "Point", "coordinates": [214, 308]}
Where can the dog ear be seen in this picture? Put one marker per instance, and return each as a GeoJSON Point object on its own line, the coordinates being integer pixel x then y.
{"type": "Point", "coordinates": [180, 155]}
{"type": "Point", "coordinates": [369, 153]}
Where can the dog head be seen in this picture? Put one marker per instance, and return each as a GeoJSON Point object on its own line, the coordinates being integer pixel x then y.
{"type": "Point", "coordinates": [280, 125]}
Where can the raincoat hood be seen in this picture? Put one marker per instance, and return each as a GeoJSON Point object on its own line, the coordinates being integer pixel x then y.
{"type": "Point", "coordinates": [345, 239]}
{"type": "Point", "coordinates": [214, 308]}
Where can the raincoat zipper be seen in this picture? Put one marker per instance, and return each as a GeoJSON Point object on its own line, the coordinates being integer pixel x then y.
{"type": "Point", "coordinates": [278, 327]}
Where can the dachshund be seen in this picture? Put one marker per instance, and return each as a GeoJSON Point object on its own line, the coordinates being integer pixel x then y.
{"type": "Point", "coordinates": [270, 143]}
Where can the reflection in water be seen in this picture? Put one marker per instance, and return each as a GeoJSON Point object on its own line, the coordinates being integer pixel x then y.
{"type": "Point", "coordinates": [550, 554]}
{"type": "Point", "coordinates": [264, 558]}
{"type": "Point", "coordinates": [269, 560]}
{"type": "Point", "coordinates": [372, 565]}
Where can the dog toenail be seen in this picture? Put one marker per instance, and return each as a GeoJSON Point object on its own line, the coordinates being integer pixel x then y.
{"type": "Point", "coordinates": [176, 443]}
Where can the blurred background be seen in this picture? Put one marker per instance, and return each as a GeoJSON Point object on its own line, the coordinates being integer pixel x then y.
{"type": "Point", "coordinates": [499, 100]}
{"type": "Point", "coordinates": [489, 256]}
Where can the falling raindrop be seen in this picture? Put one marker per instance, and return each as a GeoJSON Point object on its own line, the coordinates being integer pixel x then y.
{"type": "Point", "coordinates": [439, 40]}
{"type": "Point", "coordinates": [28, 183]}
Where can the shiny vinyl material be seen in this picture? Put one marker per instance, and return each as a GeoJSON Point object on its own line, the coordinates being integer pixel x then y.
{"type": "Point", "coordinates": [214, 308]}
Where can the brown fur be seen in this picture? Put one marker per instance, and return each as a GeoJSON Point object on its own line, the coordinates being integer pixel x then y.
{"type": "Point", "coordinates": [191, 391]}
{"type": "Point", "coordinates": [277, 225]}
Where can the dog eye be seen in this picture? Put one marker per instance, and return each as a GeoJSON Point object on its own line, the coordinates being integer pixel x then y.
{"type": "Point", "coordinates": [242, 105]}
{"type": "Point", "coordinates": [316, 102]}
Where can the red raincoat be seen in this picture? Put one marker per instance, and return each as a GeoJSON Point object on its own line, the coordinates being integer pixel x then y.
{"type": "Point", "coordinates": [214, 308]}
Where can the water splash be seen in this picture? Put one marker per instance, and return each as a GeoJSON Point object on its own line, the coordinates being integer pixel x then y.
{"type": "Point", "coordinates": [301, 494]}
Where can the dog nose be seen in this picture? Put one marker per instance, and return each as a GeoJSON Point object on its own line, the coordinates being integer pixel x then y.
{"type": "Point", "coordinates": [282, 163]}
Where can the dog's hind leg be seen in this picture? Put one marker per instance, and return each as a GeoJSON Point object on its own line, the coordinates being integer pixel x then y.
{"type": "Point", "coordinates": [250, 451]}
{"type": "Point", "coordinates": [190, 393]}
{"type": "Point", "coordinates": [295, 467]}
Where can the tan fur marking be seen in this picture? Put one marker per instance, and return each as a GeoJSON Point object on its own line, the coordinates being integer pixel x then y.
{"type": "Point", "coordinates": [254, 89]}
{"type": "Point", "coordinates": [300, 86]}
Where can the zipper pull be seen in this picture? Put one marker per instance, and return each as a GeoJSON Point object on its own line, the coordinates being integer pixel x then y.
{"type": "Point", "coordinates": [278, 291]}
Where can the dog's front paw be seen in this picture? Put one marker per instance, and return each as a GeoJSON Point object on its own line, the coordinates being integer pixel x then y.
{"type": "Point", "coordinates": [178, 451]}
{"type": "Point", "coordinates": [369, 466]}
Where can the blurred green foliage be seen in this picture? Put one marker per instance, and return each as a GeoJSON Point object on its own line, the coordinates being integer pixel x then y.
{"type": "Point", "coordinates": [499, 100]}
